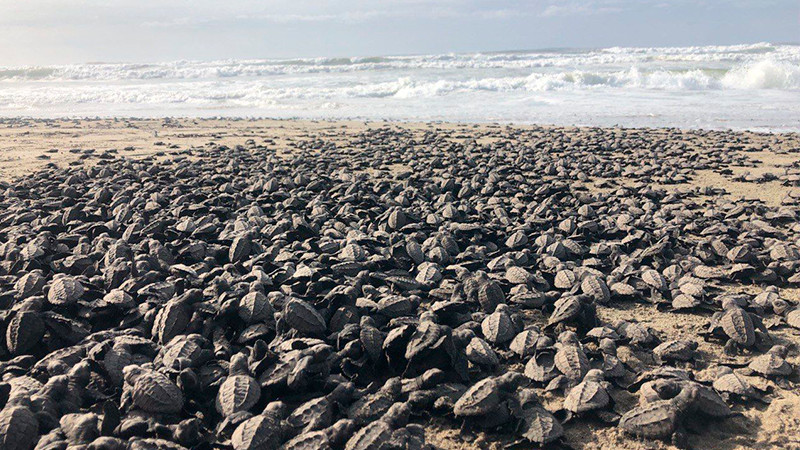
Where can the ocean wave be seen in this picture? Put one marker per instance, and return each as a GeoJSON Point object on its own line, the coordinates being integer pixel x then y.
{"type": "Point", "coordinates": [760, 75]}
{"type": "Point", "coordinates": [684, 58]}
{"type": "Point", "coordinates": [764, 74]}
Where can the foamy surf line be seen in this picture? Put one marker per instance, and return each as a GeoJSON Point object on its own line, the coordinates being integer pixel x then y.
{"type": "Point", "coordinates": [754, 86]}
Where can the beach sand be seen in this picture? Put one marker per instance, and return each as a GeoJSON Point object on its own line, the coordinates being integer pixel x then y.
{"type": "Point", "coordinates": [30, 145]}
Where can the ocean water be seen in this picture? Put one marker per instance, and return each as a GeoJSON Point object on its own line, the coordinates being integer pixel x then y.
{"type": "Point", "coordinates": [754, 87]}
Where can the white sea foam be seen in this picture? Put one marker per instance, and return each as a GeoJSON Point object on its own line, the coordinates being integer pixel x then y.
{"type": "Point", "coordinates": [743, 86]}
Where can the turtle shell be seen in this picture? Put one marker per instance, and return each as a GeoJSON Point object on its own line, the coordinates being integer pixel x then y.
{"type": "Point", "coordinates": [254, 307]}
{"type": "Point", "coordinates": [490, 294]}
{"type": "Point", "coordinates": [518, 275]}
{"type": "Point", "coordinates": [541, 367]}
{"type": "Point", "coordinates": [540, 426]}
{"type": "Point", "coordinates": [586, 396]}
{"type": "Point", "coordinates": [240, 249]}
{"type": "Point", "coordinates": [65, 290]}
{"type": "Point", "coordinates": [571, 361]}
{"type": "Point", "coordinates": [184, 347]}
{"type": "Point", "coordinates": [314, 414]}
{"type": "Point", "coordinates": [565, 279]}
{"type": "Point", "coordinates": [154, 392]}
{"type": "Point", "coordinates": [374, 435]}
{"type": "Point", "coordinates": [257, 433]}
{"type": "Point", "coordinates": [524, 343]}
{"type": "Point", "coordinates": [596, 288]}
{"type": "Point", "coordinates": [654, 279]}
{"type": "Point", "coordinates": [676, 350]}
{"type": "Point", "coordinates": [237, 393]}
{"type": "Point", "coordinates": [19, 428]}
{"type": "Point", "coordinates": [480, 352]}
{"type": "Point", "coordinates": [566, 308]}
{"type": "Point", "coordinates": [23, 332]}
{"type": "Point", "coordinates": [770, 364]}
{"type": "Point", "coordinates": [370, 408]}
{"type": "Point", "coordinates": [733, 383]}
{"type": "Point", "coordinates": [30, 284]}
{"type": "Point", "coordinates": [171, 320]}
{"type": "Point", "coordinates": [738, 325]}
{"type": "Point", "coordinates": [657, 420]}
{"type": "Point", "coordinates": [498, 327]}
{"type": "Point", "coordinates": [311, 440]}
{"type": "Point", "coordinates": [301, 316]}
{"type": "Point", "coordinates": [480, 399]}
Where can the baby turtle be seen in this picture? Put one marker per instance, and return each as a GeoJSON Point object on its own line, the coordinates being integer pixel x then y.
{"type": "Point", "coordinates": [262, 432]}
{"type": "Point", "coordinates": [737, 324]}
{"type": "Point", "coordinates": [772, 364]}
{"type": "Point", "coordinates": [570, 358]}
{"type": "Point", "coordinates": [64, 291]}
{"type": "Point", "coordinates": [488, 401]}
{"type": "Point", "coordinates": [731, 385]}
{"type": "Point", "coordinates": [19, 429]}
{"type": "Point", "coordinates": [590, 395]}
{"type": "Point", "coordinates": [301, 316]}
{"type": "Point", "coordinates": [152, 391]}
{"type": "Point", "coordinates": [537, 425]}
{"type": "Point", "coordinates": [240, 391]}
{"type": "Point", "coordinates": [499, 327]}
{"type": "Point", "coordinates": [675, 350]}
{"type": "Point", "coordinates": [660, 419]}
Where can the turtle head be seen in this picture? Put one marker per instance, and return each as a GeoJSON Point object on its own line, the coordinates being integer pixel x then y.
{"type": "Point", "coordinates": [238, 364]}
{"type": "Point", "coordinates": [687, 395]}
{"type": "Point", "coordinates": [568, 337]}
{"type": "Point", "coordinates": [594, 375]}
{"type": "Point", "coordinates": [729, 303]}
{"type": "Point", "coordinates": [511, 380]}
{"type": "Point", "coordinates": [131, 373]}
{"type": "Point", "coordinates": [779, 350]}
{"type": "Point", "coordinates": [527, 397]}
{"type": "Point", "coordinates": [608, 346]}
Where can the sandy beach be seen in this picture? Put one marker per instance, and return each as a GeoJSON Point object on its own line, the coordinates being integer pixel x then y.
{"type": "Point", "coordinates": [758, 167]}
{"type": "Point", "coordinates": [28, 145]}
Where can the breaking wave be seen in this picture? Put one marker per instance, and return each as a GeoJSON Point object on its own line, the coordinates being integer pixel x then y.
{"type": "Point", "coordinates": [772, 58]}
{"type": "Point", "coordinates": [748, 86]}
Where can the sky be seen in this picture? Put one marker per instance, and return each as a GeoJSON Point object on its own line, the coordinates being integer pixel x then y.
{"type": "Point", "coordinates": [40, 32]}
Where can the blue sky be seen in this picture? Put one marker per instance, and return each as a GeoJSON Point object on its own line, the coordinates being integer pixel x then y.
{"type": "Point", "coordinates": [67, 31]}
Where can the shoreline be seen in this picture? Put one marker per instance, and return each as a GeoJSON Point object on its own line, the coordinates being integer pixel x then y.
{"type": "Point", "coordinates": [4, 119]}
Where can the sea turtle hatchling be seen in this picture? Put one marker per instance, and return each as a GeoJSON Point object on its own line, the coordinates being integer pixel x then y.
{"type": "Point", "coordinates": [675, 350]}
{"type": "Point", "coordinates": [19, 429]}
{"type": "Point", "coordinates": [240, 391]}
{"type": "Point", "coordinates": [152, 391]}
{"type": "Point", "coordinates": [590, 396]}
{"type": "Point", "coordinates": [570, 359]}
{"type": "Point", "coordinates": [536, 424]}
{"type": "Point", "coordinates": [660, 419]}
{"type": "Point", "coordinates": [772, 364]}
{"type": "Point", "coordinates": [738, 325]}
{"type": "Point", "coordinates": [261, 432]}
{"type": "Point", "coordinates": [730, 385]}
{"type": "Point", "coordinates": [488, 403]}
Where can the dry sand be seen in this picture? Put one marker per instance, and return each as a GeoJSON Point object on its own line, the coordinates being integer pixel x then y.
{"type": "Point", "coordinates": [30, 145]}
